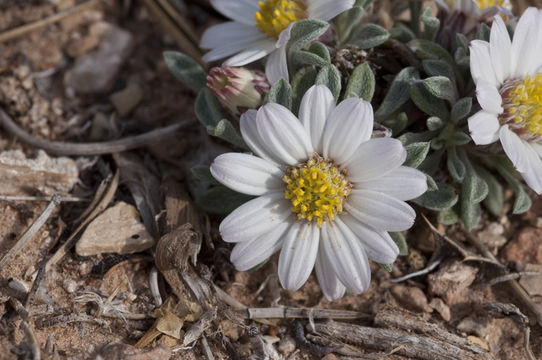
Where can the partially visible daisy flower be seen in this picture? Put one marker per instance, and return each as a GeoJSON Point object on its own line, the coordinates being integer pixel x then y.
{"type": "Point", "coordinates": [238, 89]}
{"type": "Point", "coordinates": [261, 28]}
{"type": "Point", "coordinates": [327, 193]}
{"type": "Point", "coordinates": [508, 77]}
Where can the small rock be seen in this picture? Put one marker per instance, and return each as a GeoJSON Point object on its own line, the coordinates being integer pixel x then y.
{"type": "Point", "coordinates": [96, 72]}
{"type": "Point", "coordinates": [450, 280]}
{"type": "Point", "coordinates": [117, 230]}
{"type": "Point", "coordinates": [526, 248]}
{"type": "Point", "coordinates": [416, 259]}
{"type": "Point", "coordinates": [19, 286]}
{"type": "Point", "coordinates": [286, 344]}
{"type": "Point", "coordinates": [101, 127]}
{"type": "Point", "coordinates": [45, 174]}
{"type": "Point", "coordinates": [532, 284]}
{"type": "Point", "coordinates": [493, 237]}
{"type": "Point", "coordinates": [127, 99]}
{"type": "Point", "coordinates": [475, 326]}
{"type": "Point", "coordinates": [477, 341]}
{"type": "Point", "coordinates": [69, 285]}
{"type": "Point", "coordinates": [441, 307]}
{"type": "Point", "coordinates": [231, 329]}
{"type": "Point", "coordinates": [412, 298]}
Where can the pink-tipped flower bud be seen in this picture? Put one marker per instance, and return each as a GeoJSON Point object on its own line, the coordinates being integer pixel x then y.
{"type": "Point", "coordinates": [238, 89]}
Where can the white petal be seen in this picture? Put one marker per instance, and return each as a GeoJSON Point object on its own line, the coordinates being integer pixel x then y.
{"type": "Point", "coordinates": [249, 131]}
{"type": "Point", "coordinates": [254, 51]}
{"type": "Point", "coordinates": [326, 9]}
{"type": "Point", "coordinates": [255, 218]}
{"type": "Point", "coordinates": [316, 105]}
{"type": "Point", "coordinates": [232, 35]}
{"type": "Point", "coordinates": [380, 211]}
{"type": "Point", "coordinates": [480, 63]}
{"type": "Point", "coordinates": [484, 128]}
{"type": "Point", "coordinates": [332, 288]}
{"type": "Point", "coordinates": [349, 125]}
{"type": "Point", "coordinates": [246, 174]}
{"type": "Point", "coordinates": [403, 183]}
{"type": "Point", "coordinates": [278, 135]}
{"type": "Point", "coordinates": [276, 67]}
{"type": "Point", "coordinates": [242, 11]}
{"type": "Point", "coordinates": [248, 254]}
{"type": "Point", "coordinates": [489, 98]}
{"type": "Point", "coordinates": [533, 176]}
{"type": "Point", "coordinates": [379, 245]}
{"type": "Point", "coordinates": [375, 158]}
{"type": "Point", "coordinates": [298, 255]}
{"type": "Point", "coordinates": [514, 148]}
{"type": "Point", "coordinates": [525, 44]}
{"type": "Point", "coordinates": [500, 47]}
{"type": "Point", "coordinates": [524, 157]}
{"type": "Point", "coordinates": [346, 256]}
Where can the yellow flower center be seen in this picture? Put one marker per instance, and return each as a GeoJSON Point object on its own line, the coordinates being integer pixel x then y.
{"type": "Point", "coordinates": [484, 4]}
{"type": "Point", "coordinates": [317, 190]}
{"type": "Point", "coordinates": [522, 103]}
{"type": "Point", "coordinates": [275, 15]}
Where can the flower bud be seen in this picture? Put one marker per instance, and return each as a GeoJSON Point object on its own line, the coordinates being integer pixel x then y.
{"type": "Point", "coordinates": [238, 89]}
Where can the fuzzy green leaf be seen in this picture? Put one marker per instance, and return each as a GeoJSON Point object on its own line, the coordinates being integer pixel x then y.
{"type": "Point", "coordinates": [461, 109]}
{"type": "Point", "coordinates": [280, 93]}
{"type": "Point", "coordinates": [347, 20]}
{"type": "Point", "coordinates": [302, 33]}
{"type": "Point", "coordinates": [397, 95]}
{"type": "Point", "coordinates": [434, 123]}
{"type": "Point", "coordinates": [207, 108]}
{"type": "Point", "coordinates": [448, 216]}
{"type": "Point", "coordinates": [483, 32]}
{"type": "Point", "coordinates": [426, 49]}
{"type": "Point", "coordinates": [185, 69]}
{"type": "Point", "coordinates": [456, 168]}
{"type": "Point", "coordinates": [427, 102]}
{"type": "Point", "coordinates": [368, 36]}
{"type": "Point", "coordinates": [494, 201]}
{"type": "Point", "coordinates": [361, 83]}
{"type": "Point", "coordinates": [401, 242]}
{"type": "Point", "coordinates": [438, 200]}
{"type": "Point", "coordinates": [416, 153]}
{"type": "Point", "coordinates": [330, 77]}
{"type": "Point", "coordinates": [431, 24]}
{"type": "Point", "coordinates": [441, 87]}
{"type": "Point", "coordinates": [387, 267]}
{"type": "Point", "coordinates": [460, 138]}
{"type": "Point", "coordinates": [221, 200]}
{"type": "Point", "coordinates": [225, 131]}
{"type": "Point", "coordinates": [301, 82]}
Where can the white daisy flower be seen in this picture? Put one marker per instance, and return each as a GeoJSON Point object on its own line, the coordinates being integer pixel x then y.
{"type": "Point", "coordinates": [327, 192]}
{"type": "Point", "coordinates": [508, 77]}
{"type": "Point", "coordinates": [261, 28]}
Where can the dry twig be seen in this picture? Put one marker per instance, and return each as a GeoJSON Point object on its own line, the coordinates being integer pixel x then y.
{"type": "Point", "coordinates": [97, 148]}
{"type": "Point", "coordinates": [298, 313]}
{"type": "Point", "coordinates": [25, 29]}
{"type": "Point", "coordinates": [32, 230]}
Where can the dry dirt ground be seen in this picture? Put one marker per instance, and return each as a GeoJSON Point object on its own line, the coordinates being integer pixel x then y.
{"type": "Point", "coordinates": [100, 305]}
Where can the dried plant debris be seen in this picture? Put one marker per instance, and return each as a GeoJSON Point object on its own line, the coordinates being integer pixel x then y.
{"type": "Point", "coordinates": [39, 175]}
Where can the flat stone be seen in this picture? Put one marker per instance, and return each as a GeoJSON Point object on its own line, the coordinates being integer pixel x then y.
{"type": "Point", "coordinates": [441, 307]}
{"type": "Point", "coordinates": [532, 284]}
{"type": "Point", "coordinates": [127, 99]}
{"type": "Point", "coordinates": [117, 230]}
{"type": "Point", "coordinates": [450, 280]}
{"type": "Point", "coordinates": [96, 72]}
{"type": "Point", "coordinates": [526, 248]}
{"type": "Point", "coordinates": [46, 175]}
{"type": "Point", "coordinates": [411, 298]}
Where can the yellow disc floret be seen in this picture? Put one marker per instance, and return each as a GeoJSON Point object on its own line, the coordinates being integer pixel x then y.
{"type": "Point", "coordinates": [317, 190]}
{"type": "Point", "coordinates": [484, 4]}
{"type": "Point", "coordinates": [522, 103]}
{"type": "Point", "coordinates": [275, 15]}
